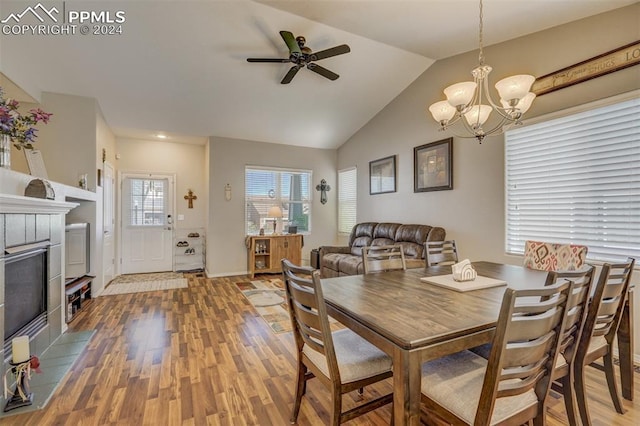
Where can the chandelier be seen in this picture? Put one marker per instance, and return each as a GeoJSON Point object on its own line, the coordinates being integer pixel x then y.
{"type": "Point", "coordinates": [465, 100]}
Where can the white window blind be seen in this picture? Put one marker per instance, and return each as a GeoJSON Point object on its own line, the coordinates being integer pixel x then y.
{"type": "Point", "coordinates": [288, 189]}
{"type": "Point", "coordinates": [347, 199]}
{"type": "Point", "coordinates": [576, 179]}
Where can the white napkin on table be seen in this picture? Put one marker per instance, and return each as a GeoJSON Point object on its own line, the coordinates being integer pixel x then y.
{"type": "Point", "coordinates": [463, 271]}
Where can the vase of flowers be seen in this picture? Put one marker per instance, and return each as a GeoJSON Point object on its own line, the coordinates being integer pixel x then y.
{"type": "Point", "coordinates": [17, 128]}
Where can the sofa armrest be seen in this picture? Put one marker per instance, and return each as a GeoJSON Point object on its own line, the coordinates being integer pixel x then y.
{"type": "Point", "coordinates": [327, 250]}
{"type": "Point", "coordinates": [333, 249]}
{"type": "Point", "coordinates": [436, 234]}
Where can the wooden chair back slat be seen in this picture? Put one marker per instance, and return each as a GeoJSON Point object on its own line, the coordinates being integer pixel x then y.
{"type": "Point", "coordinates": [383, 258]}
{"type": "Point", "coordinates": [530, 327]}
{"type": "Point", "coordinates": [522, 356]}
{"type": "Point", "coordinates": [440, 253]}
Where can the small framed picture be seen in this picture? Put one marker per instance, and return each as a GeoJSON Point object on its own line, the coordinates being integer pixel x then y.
{"type": "Point", "coordinates": [35, 163]}
{"type": "Point", "coordinates": [433, 166]}
{"type": "Point", "coordinates": [382, 175]}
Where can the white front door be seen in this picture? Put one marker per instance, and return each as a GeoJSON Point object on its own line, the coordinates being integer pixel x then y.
{"type": "Point", "coordinates": [108, 216]}
{"type": "Point", "coordinates": [147, 223]}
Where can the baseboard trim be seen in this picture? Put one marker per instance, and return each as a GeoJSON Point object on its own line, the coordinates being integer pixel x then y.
{"type": "Point", "coordinates": [226, 274]}
{"type": "Point", "coordinates": [636, 360]}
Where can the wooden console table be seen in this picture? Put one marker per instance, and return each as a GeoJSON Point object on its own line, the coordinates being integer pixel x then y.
{"type": "Point", "coordinates": [264, 252]}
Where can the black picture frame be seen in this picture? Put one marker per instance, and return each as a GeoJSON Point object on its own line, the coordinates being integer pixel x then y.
{"type": "Point", "coordinates": [382, 175]}
{"type": "Point", "coordinates": [433, 166]}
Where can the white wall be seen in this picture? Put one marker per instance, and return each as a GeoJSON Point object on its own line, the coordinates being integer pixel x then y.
{"type": "Point", "coordinates": [473, 213]}
{"type": "Point", "coordinates": [226, 252]}
{"type": "Point", "coordinates": [68, 141]}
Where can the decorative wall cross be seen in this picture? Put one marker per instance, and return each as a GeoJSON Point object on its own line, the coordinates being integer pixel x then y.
{"type": "Point", "coordinates": [323, 188]}
{"type": "Point", "coordinates": [190, 197]}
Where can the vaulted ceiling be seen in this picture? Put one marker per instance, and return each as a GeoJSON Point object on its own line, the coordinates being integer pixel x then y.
{"type": "Point", "coordinates": [179, 67]}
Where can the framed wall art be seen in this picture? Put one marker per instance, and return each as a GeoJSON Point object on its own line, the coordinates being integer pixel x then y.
{"type": "Point", "coordinates": [433, 166]}
{"type": "Point", "coordinates": [382, 175]}
{"type": "Point", "coordinates": [35, 163]}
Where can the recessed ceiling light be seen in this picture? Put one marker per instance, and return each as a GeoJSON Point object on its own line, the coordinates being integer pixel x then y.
{"type": "Point", "coordinates": [161, 136]}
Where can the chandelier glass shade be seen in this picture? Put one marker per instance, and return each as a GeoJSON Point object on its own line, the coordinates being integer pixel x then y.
{"type": "Point", "coordinates": [472, 100]}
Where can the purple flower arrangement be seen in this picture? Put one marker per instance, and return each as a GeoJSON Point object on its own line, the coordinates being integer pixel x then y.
{"type": "Point", "coordinates": [20, 127]}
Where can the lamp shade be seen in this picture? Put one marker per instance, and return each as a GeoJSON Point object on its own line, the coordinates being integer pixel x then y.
{"type": "Point", "coordinates": [442, 111]}
{"type": "Point", "coordinates": [514, 87]}
{"type": "Point", "coordinates": [460, 93]}
{"type": "Point", "coordinates": [523, 104]}
{"type": "Point", "coordinates": [274, 211]}
{"type": "Point", "coordinates": [478, 114]}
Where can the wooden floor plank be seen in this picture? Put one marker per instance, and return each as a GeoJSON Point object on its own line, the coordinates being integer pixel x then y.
{"type": "Point", "coordinates": [202, 355]}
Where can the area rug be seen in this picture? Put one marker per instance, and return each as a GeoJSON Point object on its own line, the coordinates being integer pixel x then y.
{"type": "Point", "coordinates": [137, 283]}
{"type": "Point", "coordinates": [268, 297]}
{"type": "Point", "coordinates": [55, 363]}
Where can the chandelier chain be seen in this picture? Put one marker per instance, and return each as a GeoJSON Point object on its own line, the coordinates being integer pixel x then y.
{"type": "Point", "coordinates": [480, 36]}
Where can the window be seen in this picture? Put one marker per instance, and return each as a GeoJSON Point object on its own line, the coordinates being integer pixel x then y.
{"type": "Point", "coordinates": [347, 199]}
{"type": "Point", "coordinates": [288, 189]}
{"type": "Point", "coordinates": [147, 205]}
{"type": "Point", "coordinates": [576, 179]}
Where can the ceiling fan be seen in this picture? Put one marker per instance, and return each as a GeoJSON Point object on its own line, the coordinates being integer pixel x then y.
{"type": "Point", "coordinates": [300, 55]}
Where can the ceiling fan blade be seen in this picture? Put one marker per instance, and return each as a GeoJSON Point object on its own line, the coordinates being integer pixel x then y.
{"type": "Point", "coordinates": [292, 73]}
{"type": "Point", "coordinates": [323, 71]}
{"type": "Point", "coordinates": [334, 51]}
{"type": "Point", "coordinates": [292, 44]}
{"type": "Point", "coordinates": [268, 60]}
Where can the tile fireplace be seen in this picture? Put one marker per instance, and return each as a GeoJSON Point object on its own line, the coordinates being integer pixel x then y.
{"type": "Point", "coordinates": [31, 230]}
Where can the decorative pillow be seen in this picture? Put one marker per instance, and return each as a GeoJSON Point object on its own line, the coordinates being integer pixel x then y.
{"type": "Point", "coordinates": [545, 256]}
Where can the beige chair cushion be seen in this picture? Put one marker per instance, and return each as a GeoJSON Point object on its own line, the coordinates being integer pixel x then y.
{"type": "Point", "coordinates": [455, 382]}
{"type": "Point", "coordinates": [357, 358]}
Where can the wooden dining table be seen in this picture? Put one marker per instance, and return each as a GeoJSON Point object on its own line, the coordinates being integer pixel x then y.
{"type": "Point", "coordinates": [414, 321]}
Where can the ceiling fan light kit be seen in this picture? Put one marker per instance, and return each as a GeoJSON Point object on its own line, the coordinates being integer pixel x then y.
{"type": "Point", "coordinates": [302, 56]}
{"type": "Point", "coordinates": [465, 100]}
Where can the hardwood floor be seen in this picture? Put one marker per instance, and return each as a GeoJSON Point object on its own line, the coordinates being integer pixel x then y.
{"type": "Point", "coordinates": [202, 355]}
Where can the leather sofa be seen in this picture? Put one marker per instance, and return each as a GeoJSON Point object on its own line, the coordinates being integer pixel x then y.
{"type": "Point", "coordinates": [337, 261]}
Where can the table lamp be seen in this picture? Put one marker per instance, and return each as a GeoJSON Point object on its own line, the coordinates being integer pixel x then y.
{"type": "Point", "coordinates": [275, 213]}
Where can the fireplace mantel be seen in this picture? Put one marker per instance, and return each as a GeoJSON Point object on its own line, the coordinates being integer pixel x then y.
{"type": "Point", "coordinates": [21, 204]}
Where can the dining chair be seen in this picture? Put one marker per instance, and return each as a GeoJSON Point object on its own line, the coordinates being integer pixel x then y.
{"type": "Point", "coordinates": [383, 258]}
{"type": "Point", "coordinates": [341, 360]}
{"type": "Point", "coordinates": [511, 387]}
{"type": "Point", "coordinates": [440, 253]}
{"type": "Point", "coordinates": [546, 256]}
{"type": "Point", "coordinates": [599, 332]}
{"type": "Point", "coordinates": [563, 377]}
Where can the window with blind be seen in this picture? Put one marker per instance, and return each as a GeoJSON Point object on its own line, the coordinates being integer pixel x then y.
{"type": "Point", "coordinates": [347, 199]}
{"type": "Point", "coordinates": [288, 189]}
{"type": "Point", "coordinates": [576, 179]}
{"type": "Point", "coordinates": [145, 201]}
